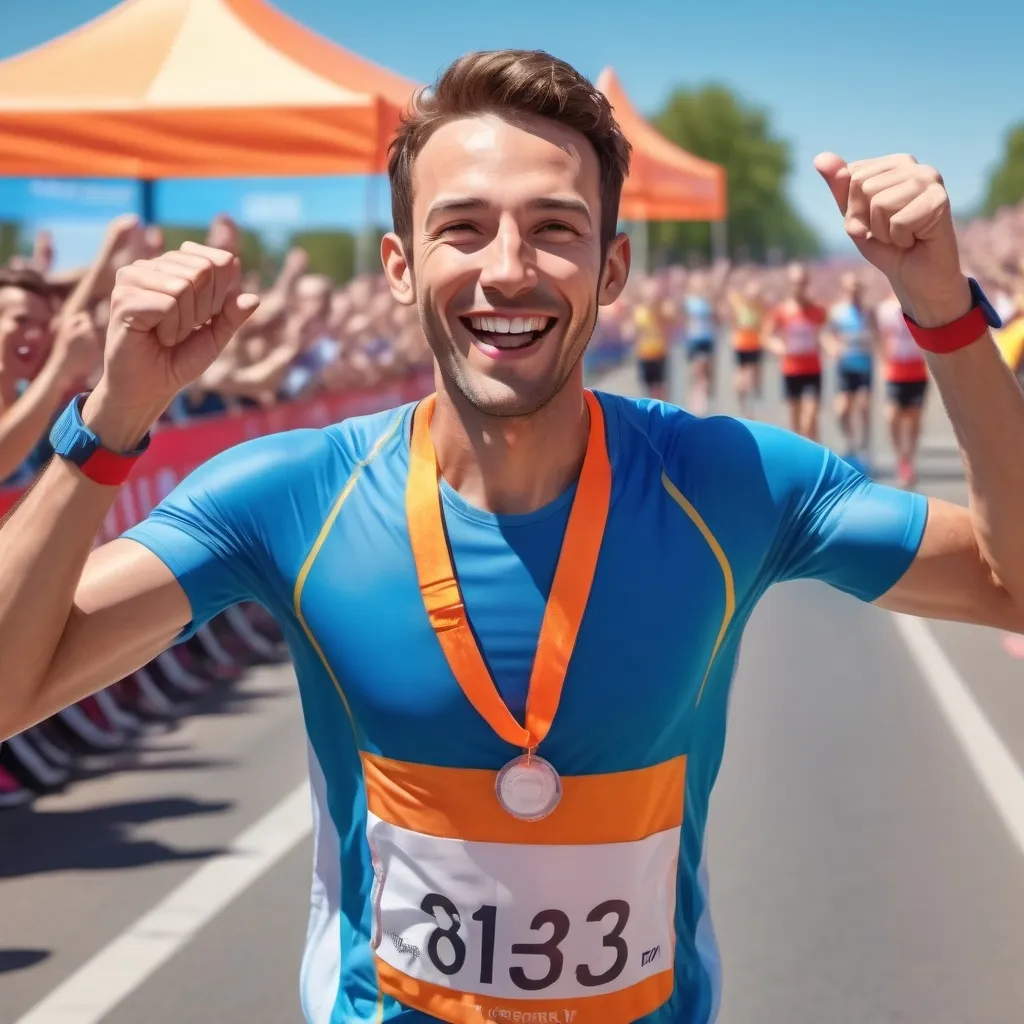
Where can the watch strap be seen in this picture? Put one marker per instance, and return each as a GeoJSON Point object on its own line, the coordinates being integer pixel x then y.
{"type": "Point", "coordinates": [72, 440]}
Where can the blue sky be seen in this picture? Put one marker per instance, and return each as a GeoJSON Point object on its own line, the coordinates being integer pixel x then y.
{"type": "Point", "coordinates": [863, 79]}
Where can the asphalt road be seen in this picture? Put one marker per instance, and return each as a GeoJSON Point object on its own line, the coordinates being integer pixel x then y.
{"type": "Point", "coordinates": [860, 871]}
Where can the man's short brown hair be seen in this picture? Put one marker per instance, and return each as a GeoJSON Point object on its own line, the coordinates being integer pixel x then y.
{"type": "Point", "coordinates": [25, 279]}
{"type": "Point", "coordinates": [510, 83]}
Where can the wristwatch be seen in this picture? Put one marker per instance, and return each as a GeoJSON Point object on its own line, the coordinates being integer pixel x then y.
{"type": "Point", "coordinates": [71, 439]}
{"type": "Point", "coordinates": [961, 332]}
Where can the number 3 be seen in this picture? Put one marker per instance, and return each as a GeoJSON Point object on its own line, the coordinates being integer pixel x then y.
{"type": "Point", "coordinates": [613, 940]}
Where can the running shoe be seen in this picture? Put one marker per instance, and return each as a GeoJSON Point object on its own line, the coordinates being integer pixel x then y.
{"type": "Point", "coordinates": [12, 792]}
{"type": "Point", "coordinates": [151, 700]}
{"type": "Point", "coordinates": [51, 748]}
{"type": "Point", "coordinates": [87, 724]}
{"type": "Point", "coordinates": [117, 716]}
{"type": "Point", "coordinates": [24, 761]}
{"type": "Point", "coordinates": [171, 666]}
{"type": "Point", "coordinates": [259, 644]}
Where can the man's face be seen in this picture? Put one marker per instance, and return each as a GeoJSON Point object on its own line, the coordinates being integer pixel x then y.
{"type": "Point", "coordinates": [507, 271]}
{"type": "Point", "coordinates": [25, 337]}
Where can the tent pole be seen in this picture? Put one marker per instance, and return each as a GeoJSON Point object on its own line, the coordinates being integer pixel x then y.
{"type": "Point", "coordinates": [641, 255]}
{"type": "Point", "coordinates": [147, 201]}
{"type": "Point", "coordinates": [719, 241]}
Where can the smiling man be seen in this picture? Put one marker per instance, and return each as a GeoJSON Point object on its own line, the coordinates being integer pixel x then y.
{"type": "Point", "coordinates": [516, 606]}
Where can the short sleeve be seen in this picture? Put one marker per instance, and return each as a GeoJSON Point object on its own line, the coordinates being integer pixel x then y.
{"type": "Point", "coordinates": [212, 531]}
{"type": "Point", "coordinates": [837, 525]}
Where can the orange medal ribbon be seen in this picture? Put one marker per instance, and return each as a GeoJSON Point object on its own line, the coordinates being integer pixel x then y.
{"type": "Point", "coordinates": [570, 590]}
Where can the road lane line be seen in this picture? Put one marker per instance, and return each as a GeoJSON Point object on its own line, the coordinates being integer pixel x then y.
{"type": "Point", "coordinates": [992, 762]}
{"type": "Point", "coordinates": [99, 985]}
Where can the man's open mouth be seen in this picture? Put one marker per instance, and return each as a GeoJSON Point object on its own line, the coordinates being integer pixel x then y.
{"type": "Point", "coordinates": [509, 332]}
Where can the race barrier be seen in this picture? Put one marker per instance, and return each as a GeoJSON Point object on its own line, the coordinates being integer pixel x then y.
{"type": "Point", "coordinates": [177, 450]}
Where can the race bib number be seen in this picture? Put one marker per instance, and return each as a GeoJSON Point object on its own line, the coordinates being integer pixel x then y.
{"type": "Point", "coordinates": [498, 930]}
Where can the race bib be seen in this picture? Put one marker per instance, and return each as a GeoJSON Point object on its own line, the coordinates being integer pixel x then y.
{"type": "Point", "coordinates": [801, 339]}
{"type": "Point", "coordinates": [902, 347]}
{"type": "Point", "coordinates": [569, 919]}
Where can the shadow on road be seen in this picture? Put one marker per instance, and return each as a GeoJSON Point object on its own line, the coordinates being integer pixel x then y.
{"type": "Point", "coordinates": [96, 839]}
{"type": "Point", "coordinates": [20, 959]}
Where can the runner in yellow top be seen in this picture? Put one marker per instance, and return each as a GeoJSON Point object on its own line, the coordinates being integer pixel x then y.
{"type": "Point", "coordinates": [651, 340]}
{"type": "Point", "coordinates": [747, 307]}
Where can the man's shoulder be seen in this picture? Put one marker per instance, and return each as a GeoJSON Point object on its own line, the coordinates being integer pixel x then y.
{"type": "Point", "coordinates": [367, 436]}
{"type": "Point", "coordinates": [721, 452]}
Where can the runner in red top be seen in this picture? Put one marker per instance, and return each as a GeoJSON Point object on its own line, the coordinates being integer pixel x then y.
{"type": "Point", "coordinates": [793, 332]}
{"type": "Point", "coordinates": [906, 381]}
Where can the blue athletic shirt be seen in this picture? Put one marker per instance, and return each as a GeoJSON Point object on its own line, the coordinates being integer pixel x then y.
{"type": "Point", "coordinates": [425, 893]}
{"type": "Point", "coordinates": [851, 326]}
{"type": "Point", "coordinates": [700, 323]}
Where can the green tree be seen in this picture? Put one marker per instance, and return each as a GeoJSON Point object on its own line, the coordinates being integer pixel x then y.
{"type": "Point", "coordinates": [330, 252]}
{"type": "Point", "coordinates": [10, 241]}
{"type": "Point", "coordinates": [714, 123]}
{"type": "Point", "coordinates": [1006, 185]}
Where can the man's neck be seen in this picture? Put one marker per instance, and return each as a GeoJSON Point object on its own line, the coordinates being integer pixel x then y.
{"type": "Point", "coordinates": [511, 465]}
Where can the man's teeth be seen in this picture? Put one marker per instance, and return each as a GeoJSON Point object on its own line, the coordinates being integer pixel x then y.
{"type": "Point", "coordinates": [508, 325]}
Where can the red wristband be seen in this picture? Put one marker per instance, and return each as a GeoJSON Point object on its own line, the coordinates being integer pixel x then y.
{"type": "Point", "coordinates": [950, 337]}
{"type": "Point", "coordinates": [108, 468]}
{"type": "Point", "coordinates": [963, 331]}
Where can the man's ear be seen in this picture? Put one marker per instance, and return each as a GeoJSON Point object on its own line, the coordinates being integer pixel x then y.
{"type": "Point", "coordinates": [615, 271]}
{"type": "Point", "coordinates": [397, 269]}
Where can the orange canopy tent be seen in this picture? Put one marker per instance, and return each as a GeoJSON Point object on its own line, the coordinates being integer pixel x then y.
{"type": "Point", "coordinates": [665, 182]}
{"type": "Point", "coordinates": [191, 89]}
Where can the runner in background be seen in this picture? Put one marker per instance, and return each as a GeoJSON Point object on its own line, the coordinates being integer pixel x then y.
{"type": "Point", "coordinates": [850, 340]}
{"type": "Point", "coordinates": [699, 324]}
{"type": "Point", "coordinates": [793, 332]}
{"type": "Point", "coordinates": [906, 383]}
{"type": "Point", "coordinates": [651, 324]}
{"type": "Point", "coordinates": [747, 314]}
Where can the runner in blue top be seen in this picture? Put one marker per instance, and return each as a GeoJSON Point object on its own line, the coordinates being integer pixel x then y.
{"type": "Point", "coordinates": [851, 340]}
{"type": "Point", "coordinates": [504, 831]}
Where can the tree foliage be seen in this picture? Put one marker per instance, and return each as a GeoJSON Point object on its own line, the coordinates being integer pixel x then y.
{"type": "Point", "coordinates": [713, 123]}
{"type": "Point", "coordinates": [1006, 185]}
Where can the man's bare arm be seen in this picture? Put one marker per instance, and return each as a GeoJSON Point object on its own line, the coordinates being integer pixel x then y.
{"type": "Point", "coordinates": [73, 620]}
{"type": "Point", "coordinates": [950, 578]}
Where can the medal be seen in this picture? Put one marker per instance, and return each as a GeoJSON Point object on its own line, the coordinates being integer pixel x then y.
{"type": "Point", "coordinates": [528, 787]}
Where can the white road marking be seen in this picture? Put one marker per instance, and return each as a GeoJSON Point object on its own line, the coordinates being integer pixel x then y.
{"type": "Point", "coordinates": [89, 994]}
{"type": "Point", "coordinates": [994, 765]}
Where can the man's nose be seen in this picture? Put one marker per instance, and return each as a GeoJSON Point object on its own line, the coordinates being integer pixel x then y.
{"type": "Point", "coordinates": [509, 262]}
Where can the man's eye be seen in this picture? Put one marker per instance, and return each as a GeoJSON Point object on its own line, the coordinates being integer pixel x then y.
{"type": "Point", "coordinates": [457, 227]}
{"type": "Point", "coordinates": [557, 226]}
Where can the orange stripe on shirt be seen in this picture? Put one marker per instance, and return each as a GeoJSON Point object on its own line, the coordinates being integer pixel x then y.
{"type": "Point", "coordinates": [461, 803]}
{"type": "Point", "coordinates": [469, 1008]}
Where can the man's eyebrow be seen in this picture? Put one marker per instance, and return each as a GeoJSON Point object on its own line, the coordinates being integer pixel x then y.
{"type": "Point", "coordinates": [466, 204]}
{"type": "Point", "coordinates": [564, 204]}
{"type": "Point", "coordinates": [455, 204]}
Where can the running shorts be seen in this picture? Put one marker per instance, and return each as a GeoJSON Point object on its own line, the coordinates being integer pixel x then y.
{"type": "Point", "coordinates": [801, 385]}
{"type": "Point", "coordinates": [652, 371]}
{"type": "Point", "coordinates": [906, 394]}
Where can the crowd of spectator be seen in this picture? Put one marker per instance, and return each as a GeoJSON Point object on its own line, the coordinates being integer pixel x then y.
{"type": "Point", "coordinates": [310, 335]}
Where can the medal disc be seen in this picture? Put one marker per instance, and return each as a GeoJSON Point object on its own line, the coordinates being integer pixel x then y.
{"type": "Point", "coordinates": [528, 787]}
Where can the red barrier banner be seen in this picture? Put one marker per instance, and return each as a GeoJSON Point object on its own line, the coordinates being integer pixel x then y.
{"type": "Point", "coordinates": [175, 451]}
